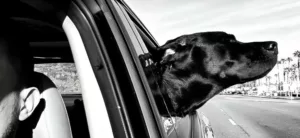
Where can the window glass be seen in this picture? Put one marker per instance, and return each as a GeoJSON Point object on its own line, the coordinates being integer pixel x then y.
{"type": "Point", "coordinates": [169, 123]}
{"type": "Point", "coordinates": [64, 76]}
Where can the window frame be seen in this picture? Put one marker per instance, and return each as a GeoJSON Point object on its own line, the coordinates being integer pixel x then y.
{"type": "Point", "coordinates": [134, 41]}
{"type": "Point", "coordinates": [86, 16]}
{"type": "Point", "coordinates": [92, 101]}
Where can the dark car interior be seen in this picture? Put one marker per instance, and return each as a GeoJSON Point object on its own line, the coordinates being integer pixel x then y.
{"type": "Point", "coordinates": [49, 45]}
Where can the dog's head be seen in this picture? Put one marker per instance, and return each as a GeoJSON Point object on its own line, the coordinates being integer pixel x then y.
{"type": "Point", "coordinates": [218, 56]}
{"type": "Point", "coordinates": [216, 59]}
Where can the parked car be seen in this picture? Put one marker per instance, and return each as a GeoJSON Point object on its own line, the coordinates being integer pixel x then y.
{"type": "Point", "coordinates": [104, 39]}
{"type": "Point", "coordinates": [253, 91]}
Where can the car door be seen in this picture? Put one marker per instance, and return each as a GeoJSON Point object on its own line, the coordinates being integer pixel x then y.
{"type": "Point", "coordinates": [114, 38]}
{"type": "Point", "coordinates": [115, 70]}
{"type": "Point", "coordinates": [190, 126]}
{"type": "Point", "coordinates": [195, 125]}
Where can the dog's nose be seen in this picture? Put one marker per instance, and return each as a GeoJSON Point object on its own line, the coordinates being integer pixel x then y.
{"type": "Point", "coordinates": [271, 46]}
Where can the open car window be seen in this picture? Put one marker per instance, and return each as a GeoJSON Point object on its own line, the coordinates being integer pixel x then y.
{"type": "Point", "coordinates": [169, 123]}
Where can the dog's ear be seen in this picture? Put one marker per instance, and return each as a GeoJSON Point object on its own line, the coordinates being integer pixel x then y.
{"type": "Point", "coordinates": [182, 42]}
{"type": "Point", "coordinates": [168, 57]}
{"type": "Point", "coordinates": [174, 43]}
{"type": "Point", "coordinates": [170, 49]}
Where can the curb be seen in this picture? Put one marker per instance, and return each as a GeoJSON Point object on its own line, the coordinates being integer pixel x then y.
{"type": "Point", "coordinates": [282, 98]}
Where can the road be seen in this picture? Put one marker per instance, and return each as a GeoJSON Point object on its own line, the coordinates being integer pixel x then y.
{"type": "Point", "coordinates": [244, 117]}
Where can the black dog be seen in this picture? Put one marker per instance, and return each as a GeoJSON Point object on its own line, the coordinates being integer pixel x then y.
{"type": "Point", "coordinates": [191, 69]}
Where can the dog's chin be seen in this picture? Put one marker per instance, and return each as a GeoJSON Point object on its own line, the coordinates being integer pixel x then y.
{"type": "Point", "coordinates": [257, 69]}
{"type": "Point", "coordinates": [243, 80]}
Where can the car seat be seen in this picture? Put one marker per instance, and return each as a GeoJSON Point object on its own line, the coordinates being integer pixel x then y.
{"type": "Point", "coordinates": [50, 118]}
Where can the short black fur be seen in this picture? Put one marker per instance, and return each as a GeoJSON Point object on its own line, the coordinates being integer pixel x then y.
{"type": "Point", "coordinates": [201, 65]}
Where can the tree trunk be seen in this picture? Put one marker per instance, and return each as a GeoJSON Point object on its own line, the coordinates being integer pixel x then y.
{"type": "Point", "coordinates": [298, 69]}
{"type": "Point", "coordinates": [297, 89]}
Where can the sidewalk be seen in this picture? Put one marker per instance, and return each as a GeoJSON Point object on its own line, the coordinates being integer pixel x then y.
{"type": "Point", "coordinates": [276, 97]}
{"type": "Point", "coordinates": [262, 99]}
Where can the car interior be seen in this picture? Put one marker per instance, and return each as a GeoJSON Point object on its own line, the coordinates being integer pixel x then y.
{"type": "Point", "coordinates": [58, 115]}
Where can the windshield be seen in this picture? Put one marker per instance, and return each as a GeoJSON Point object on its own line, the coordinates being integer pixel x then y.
{"type": "Point", "coordinates": [264, 107]}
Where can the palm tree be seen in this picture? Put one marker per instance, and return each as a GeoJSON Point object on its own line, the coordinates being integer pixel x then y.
{"type": "Point", "coordinates": [294, 74]}
{"type": "Point", "coordinates": [294, 77]}
{"type": "Point", "coordinates": [282, 61]}
{"type": "Point", "coordinates": [297, 54]}
{"type": "Point", "coordinates": [278, 76]}
{"type": "Point", "coordinates": [286, 72]}
{"type": "Point", "coordinates": [289, 61]}
{"type": "Point", "coordinates": [278, 85]}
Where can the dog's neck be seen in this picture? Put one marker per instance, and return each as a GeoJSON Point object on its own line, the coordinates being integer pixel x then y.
{"type": "Point", "coordinates": [168, 92]}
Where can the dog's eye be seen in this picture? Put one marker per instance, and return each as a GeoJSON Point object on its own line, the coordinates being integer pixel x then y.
{"type": "Point", "coordinates": [232, 40]}
{"type": "Point", "coordinates": [229, 40]}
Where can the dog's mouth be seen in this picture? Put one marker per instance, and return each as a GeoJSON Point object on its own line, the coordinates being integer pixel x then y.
{"type": "Point", "coordinates": [257, 69]}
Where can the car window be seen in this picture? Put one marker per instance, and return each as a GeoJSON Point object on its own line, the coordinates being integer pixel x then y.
{"type": "Point", "coordinates": [64, 76]}
{"type": "Point", "coordinates": [169, 123]}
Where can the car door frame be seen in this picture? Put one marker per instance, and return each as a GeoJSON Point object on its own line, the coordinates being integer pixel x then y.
{"type": "Point", "coordinates": [195, 125]}
{"type": "Point", "coordinates": [85, 16]}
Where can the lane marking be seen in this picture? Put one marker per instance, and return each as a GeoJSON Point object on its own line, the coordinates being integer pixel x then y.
{"type": "Point", "coordinates": [222, 110]}
{"type": "Point", "coordinates": [232, 122]}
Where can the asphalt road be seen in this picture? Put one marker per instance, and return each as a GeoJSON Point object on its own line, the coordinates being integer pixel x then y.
{"type": "Point", "coordinates": [243, 117]}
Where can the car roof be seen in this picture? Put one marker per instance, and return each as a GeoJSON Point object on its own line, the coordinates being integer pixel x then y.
{"type": "Point", "coordinates": [41, 22]}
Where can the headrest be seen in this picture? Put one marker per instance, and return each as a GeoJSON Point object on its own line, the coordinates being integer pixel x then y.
{"type": "Point", "coordinates": [50, 118]}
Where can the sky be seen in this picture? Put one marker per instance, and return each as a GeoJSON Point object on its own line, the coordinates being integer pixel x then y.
{"type": "Point", "coordinates": [248, 20]}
